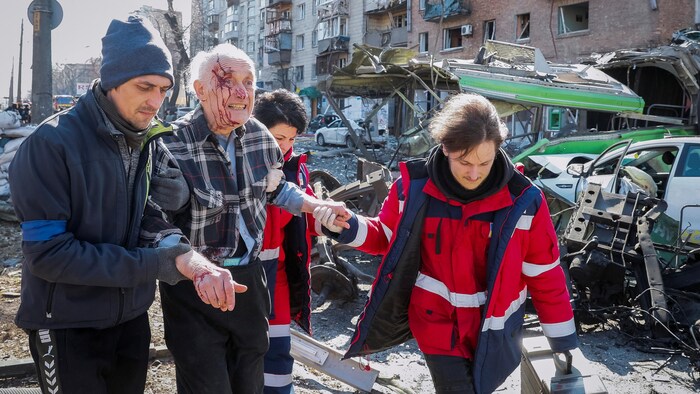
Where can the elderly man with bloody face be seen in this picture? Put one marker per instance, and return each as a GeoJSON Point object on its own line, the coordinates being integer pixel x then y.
{"type": "Point", "coordinates": [229, 165]}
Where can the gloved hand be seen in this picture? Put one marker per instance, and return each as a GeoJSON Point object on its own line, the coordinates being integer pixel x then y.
{"type": "Point", "coordinates": [274, 177]}
{"type": "Point", "coordinates": [214, 284]}
{"type": "Point", "coordinates": [169, 190]}
{"type": "Point", "coordinates": [329, 218]}
{"type": "Point", "coordinates": [167, 270]}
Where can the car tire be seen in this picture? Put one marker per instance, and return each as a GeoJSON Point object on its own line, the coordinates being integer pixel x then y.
{"type": "Point", "coordinates": [320, 140]}
{"type": "Point", "coordinates": [350, 143]}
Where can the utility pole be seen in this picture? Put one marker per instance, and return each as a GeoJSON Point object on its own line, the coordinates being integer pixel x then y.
{"type": "Point", "coordinates": [19, 72]}
{"type": "Point", "coordinates": [12, 84]}
{"type": "Point", "coordinates": [41, 61]}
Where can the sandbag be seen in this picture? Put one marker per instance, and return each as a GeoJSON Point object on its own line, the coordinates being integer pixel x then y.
{"type": "Point", "coordinates": [10, 120]}
{"type": "Point", "coordinates": [14, 144]}
{"type": "Point", "coordinates": [19, 132]}
{"type": "Point", "coordinates": [7, 157]}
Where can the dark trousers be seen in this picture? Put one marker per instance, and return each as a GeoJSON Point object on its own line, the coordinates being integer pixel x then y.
{"type": "Point", "coordinates": [87, 360]}
{"type": "Point", "coordinates": [218, 352]}
{"type": "Point", "coordinates": [450, 374]}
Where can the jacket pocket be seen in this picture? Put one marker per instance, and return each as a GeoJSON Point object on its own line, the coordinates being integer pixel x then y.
{"type": "Point", "coordinates": [210, 205]}
{"type": "Point", "coordinates": [431, 322]}
{"type": "Point", "coordinates": [75, 304]}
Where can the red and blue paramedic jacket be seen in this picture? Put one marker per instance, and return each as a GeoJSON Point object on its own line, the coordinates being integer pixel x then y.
{"type": "Point", "coordinates": [287, 239]}
{"type": "Point", "coordinates": [456, 276]}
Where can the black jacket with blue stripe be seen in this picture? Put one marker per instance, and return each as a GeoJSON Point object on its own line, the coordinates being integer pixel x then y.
{"type": "Point", "coordinates": [81, 222]}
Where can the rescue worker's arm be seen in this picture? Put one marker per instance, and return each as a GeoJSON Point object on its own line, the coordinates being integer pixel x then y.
{"type": "Point", "coordinates": [370, 235]}
{"type": "Point", "coordinates": [546, 282]}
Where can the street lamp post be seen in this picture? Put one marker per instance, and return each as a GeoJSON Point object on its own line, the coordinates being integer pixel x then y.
{"type": "Point", "coordinates": [41, 60]}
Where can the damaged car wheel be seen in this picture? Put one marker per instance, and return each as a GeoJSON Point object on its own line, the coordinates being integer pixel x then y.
{"type": "Point", "coordinates": [320, 140]}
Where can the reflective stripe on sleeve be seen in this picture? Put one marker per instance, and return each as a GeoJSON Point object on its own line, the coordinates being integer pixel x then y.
{"type": "Point", "coordinates": [556, 330]}
{"type": "Point", "coordinates": [498, 322]}
{"type": "Point", "coordinates": [361, 235]}
{"type": "Point", "coordinates": [531, 270]}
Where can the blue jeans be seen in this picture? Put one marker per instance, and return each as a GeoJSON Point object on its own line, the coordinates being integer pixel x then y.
{"type": "Point", "coordinates": [450, 374]}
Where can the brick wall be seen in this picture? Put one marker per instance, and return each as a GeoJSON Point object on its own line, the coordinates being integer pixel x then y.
{"type": "Point", "coordinates": [612, 24]}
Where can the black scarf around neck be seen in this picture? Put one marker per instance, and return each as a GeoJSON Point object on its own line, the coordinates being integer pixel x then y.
{"type": "Point", "coordinates": [134, 137]}
{"type": "Point", "coordinates": [439, 172]}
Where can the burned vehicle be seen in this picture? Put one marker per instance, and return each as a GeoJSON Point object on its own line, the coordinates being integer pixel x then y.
{"type": "Point", "coordinates": [618, 272]}
{"type": "Point", "coordinates": [667, 168]}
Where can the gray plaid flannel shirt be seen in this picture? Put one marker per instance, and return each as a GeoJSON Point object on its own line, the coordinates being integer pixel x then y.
{"type": "Point", "coordinates": [210, 220]}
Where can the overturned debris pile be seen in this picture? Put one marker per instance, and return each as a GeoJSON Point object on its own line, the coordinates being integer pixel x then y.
{"type": "Point", "coordinates": [617, 272]}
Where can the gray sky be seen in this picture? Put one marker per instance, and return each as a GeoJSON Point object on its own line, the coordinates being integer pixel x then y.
{"type": "Point", "coordinates": [75, 40]}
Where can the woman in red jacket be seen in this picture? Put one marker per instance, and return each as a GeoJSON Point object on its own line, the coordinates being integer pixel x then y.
{"type": "Point", "coordinates": [286, 242]}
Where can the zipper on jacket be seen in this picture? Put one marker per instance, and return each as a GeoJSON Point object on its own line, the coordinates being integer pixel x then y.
{"type": "Point", "coordinates": [121, 305]}
{"type": "Point", "coordinates": [49, 301]}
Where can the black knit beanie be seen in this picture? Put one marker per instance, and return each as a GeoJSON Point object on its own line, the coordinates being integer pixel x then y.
{"type": "Point", "coordinates": [131, 49]}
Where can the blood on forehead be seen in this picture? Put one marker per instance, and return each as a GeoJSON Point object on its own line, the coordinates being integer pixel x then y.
{"type": "Point", "coordinates": [225, 71]}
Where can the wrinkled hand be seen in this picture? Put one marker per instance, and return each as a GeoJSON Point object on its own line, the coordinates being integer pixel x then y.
{"type": "Point", "coordinates": [333, 216]}
{"type": "Point", "coordinates": [214, 284]}
{"type": "Point", "coordinates": [274, 177]}
{"type": "Point", "coordinates": [169, 189]}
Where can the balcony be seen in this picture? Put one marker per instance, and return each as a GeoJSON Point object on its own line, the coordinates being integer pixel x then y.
{"type": "Point", "coordinates": [276, 58]}
{"type": "Point", "coordinates": [334, 45]}
{"type": "Point", "coordinates": [325, 63]}
{"type": "Point", "coordinates": [279, 27]}
{"type": "Point", "coordinates": [381, 7]}
{"type": "Point", "coordinates": [395, 37]}
{"type": "Point", "coordinates": [332, 9]}
{"type": "Point", "coordinates": [277, 15]}
{"type": "Point", "coordinates": [278, 3]}
{"type": "Point", "coordinates": [278, 42]}
{"type": "Point", "coordinates": [435, 10]}
{"type": "Point", "coordinates": [213, 23]}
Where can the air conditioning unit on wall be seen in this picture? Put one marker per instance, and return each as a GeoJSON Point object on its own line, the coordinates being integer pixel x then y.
{"type": "Point", "coordinates": [467, 30]}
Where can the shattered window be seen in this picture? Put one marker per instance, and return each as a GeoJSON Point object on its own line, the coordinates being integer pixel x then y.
{"type": "Point", "coordinates": [299, 74]}
{"type": "Point", "coordinates": [453, 38]}
{"type": "Point", "coordinates": [490, 30]}
{"type": "Point", "coordinates": [573, 18]}
{"type": "Point", "coordinates": [423, 42]}
{"type": "Point", "coordinates": [399, 20]}
{"type": "Point", "coordinates": [300, 42]}
{"type": "Point", "coordinates": [522, 28]}
{"type": "Point", "coordinates": [301, 11]}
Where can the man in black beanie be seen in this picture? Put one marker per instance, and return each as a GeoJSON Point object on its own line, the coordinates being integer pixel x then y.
{"type": "Point", "coordinates": [80, 188]}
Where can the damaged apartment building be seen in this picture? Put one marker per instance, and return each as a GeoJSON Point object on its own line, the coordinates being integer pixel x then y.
{"type": "Point", "coordinates": [299, 44]}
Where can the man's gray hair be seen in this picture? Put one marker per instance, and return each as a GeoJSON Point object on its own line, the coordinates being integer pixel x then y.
{"type": "Point", "coordinates": [203, 62]}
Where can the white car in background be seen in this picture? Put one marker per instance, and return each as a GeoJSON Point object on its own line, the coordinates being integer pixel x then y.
{"type": "Point", "coordinates": [669, 168]}
{"type": "Point", "coordinates": [336, 133]}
